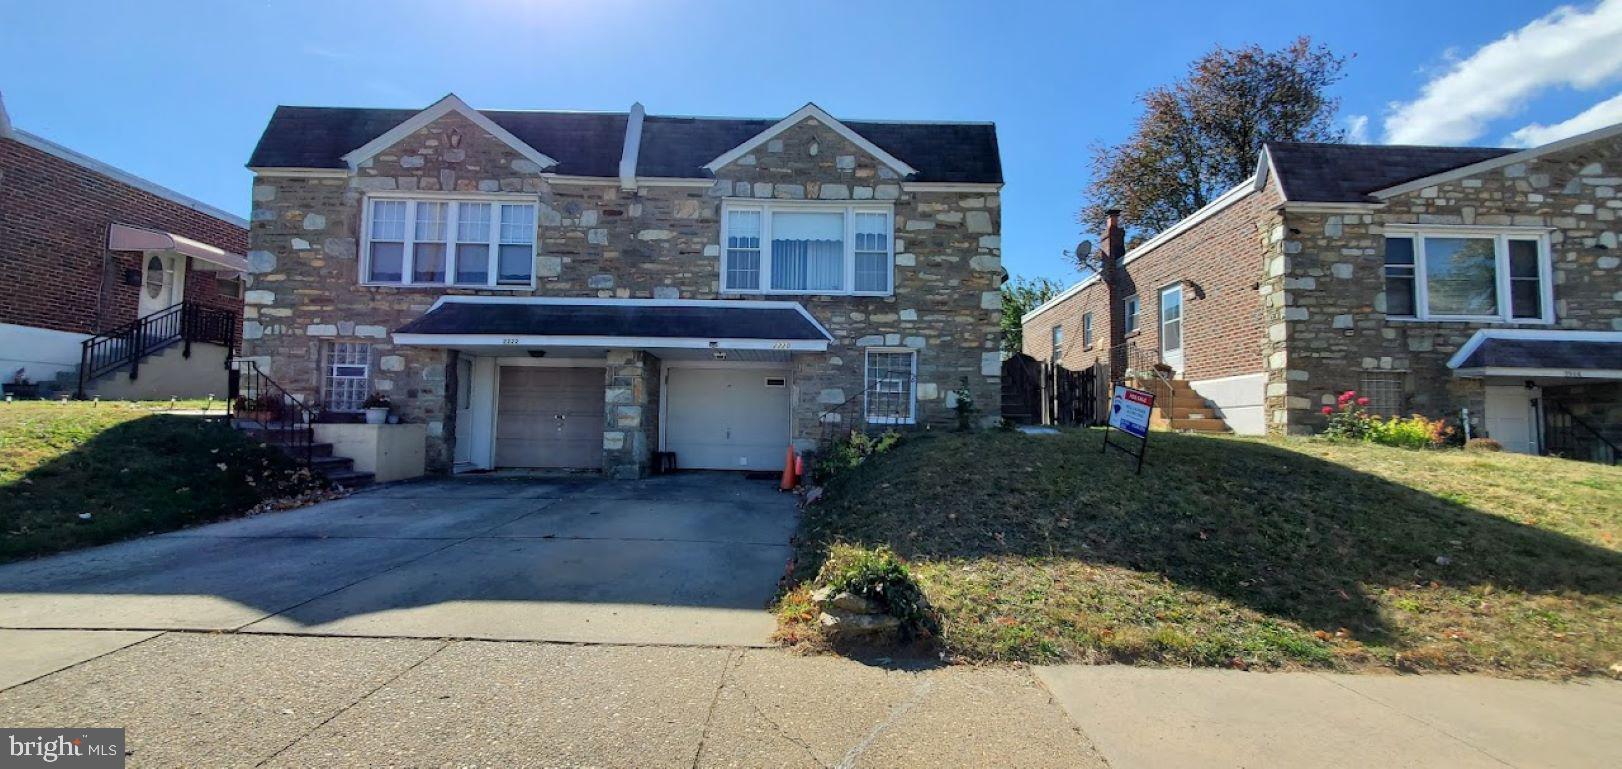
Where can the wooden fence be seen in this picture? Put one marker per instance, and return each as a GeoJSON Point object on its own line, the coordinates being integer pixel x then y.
{"type": "Point", "coordinates": [1038, 392]}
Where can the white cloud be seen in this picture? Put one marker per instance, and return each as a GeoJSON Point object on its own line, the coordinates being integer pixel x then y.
{"type": "Point", "coordinates": [1568, 47]}
{"type": "Point", "coordinates": [1608, 112]}
{"type": "Point", "coordinates": [1357, 129]}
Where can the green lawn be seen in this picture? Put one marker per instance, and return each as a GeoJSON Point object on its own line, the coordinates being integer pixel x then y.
{"type": "Point", "coordinates": [134, 469]}
{"type": "Point", "coordinates": [1239, 552]}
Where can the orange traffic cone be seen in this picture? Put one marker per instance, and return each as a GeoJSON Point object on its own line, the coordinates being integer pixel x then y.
{"type": "Point", "coordinates": [789, 467]}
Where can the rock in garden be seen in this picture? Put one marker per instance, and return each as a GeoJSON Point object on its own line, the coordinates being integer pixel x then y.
{"type": "Point", "coordinates": [855, 604]}
{"type": "Point", "coordinates": [844, 624]}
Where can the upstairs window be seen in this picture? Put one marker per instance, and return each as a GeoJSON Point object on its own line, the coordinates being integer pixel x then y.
{"type": "Point", "coordinates": [1057, 342]}
{"type": "Point", "coordinates": [1130, 313]}
{"type": "Point", "coordinates": [1087, 330]}
{"type": "Point", "coordinates": [1467, 274]}
{"type": "Point", "coordinates": [449, 242]}
{"type": "Point", "coordinates": [808, 248]}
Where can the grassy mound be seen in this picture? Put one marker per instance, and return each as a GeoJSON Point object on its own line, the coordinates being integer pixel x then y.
{"type": "Point", "coordinates": [1237, 552]}
{"type": "Point", "coordinates": [133, 470]}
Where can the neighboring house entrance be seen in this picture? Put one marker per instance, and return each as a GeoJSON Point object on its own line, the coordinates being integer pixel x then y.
{"type": "Point", "coordinates": [464, 411]}
{"type": "Point", "coordinates": [1171, 327]}
{"type": "Point", "coordinates": [549, 417]}
{"type": "Point", "coordinates": [1511, 418]}
{"type": "Point", "coordinates": [726, 418]}
{"type": "Point", "coordinates": [163, 282]}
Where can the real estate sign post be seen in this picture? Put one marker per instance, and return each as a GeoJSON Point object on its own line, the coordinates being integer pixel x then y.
{"type": "Point", "coordinates": [1129, 413]}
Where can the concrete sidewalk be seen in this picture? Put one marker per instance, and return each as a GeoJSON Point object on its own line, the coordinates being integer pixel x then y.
{"type": "Point", "coordinates": [1142, 718]}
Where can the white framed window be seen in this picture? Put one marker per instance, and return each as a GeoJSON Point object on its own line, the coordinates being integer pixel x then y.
{"type": "Point", "coordinates": [1468, 274]}
{"type": "Point", "coordinates": [808, 247]}
{"type": "Point", "coordinates": [1086, 330]}
{"type": "Point", "coordinates": [1057, 342]}
{"type": "Point", "coordinates": [348, 375]}
{"type": "Point", "coordinates": [891, 386]}
{"type": "Point", "coordinates": [477, 241]}
{"type": "Point", "coordinates": [1130, 314]}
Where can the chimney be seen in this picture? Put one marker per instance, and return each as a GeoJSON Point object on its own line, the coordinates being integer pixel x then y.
{"type": "Point", "coordinates": [1116, 289]}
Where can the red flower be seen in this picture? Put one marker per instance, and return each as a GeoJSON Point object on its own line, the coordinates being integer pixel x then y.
{"type": "Point", "coordinates": [1329, 410]}
{"type": "Point", "coordinates": [1362, 401]}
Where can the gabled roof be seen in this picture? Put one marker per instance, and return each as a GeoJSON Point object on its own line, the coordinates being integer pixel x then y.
{"type": "Point", "coordinates": [451, 103]}
{"type": "Point", "coordinates": [1508, 158]}
{"type": "Point", "coordinates": [1352, 173]}
{"type": "Point", "coordinates": [593, 143]}
{"type": "Point", "coordinates": [811, 111]}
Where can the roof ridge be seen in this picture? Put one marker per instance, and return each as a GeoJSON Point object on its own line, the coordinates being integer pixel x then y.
{"type": "Point", "coordinates": [1444, 147]}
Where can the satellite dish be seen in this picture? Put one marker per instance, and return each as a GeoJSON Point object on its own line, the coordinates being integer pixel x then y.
{"type": "Point", "coordinates": [1084, 248]}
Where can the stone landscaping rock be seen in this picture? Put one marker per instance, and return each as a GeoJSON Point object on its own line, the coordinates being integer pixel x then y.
{"type": "Point", "coordinates": [844, 624]}
{"type": "Point", "coordinates": [854, 603]}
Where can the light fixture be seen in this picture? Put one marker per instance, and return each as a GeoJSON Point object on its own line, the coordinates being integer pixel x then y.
{"type": "Point", "coordinates": [537, 353]}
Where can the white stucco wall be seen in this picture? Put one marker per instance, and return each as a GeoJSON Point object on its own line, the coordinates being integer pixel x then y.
{"type": "Point", "coordinates": [1238, 399]}
{"type": "Point", "coordinates": [43, 352]}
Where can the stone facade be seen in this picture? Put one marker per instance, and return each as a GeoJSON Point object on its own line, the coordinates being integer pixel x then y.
{"type": "Point", "coordinates": [596, 239]}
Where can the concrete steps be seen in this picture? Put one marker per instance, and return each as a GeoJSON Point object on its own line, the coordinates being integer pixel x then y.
{"type": "Point", "coordinates": [1179, 407]}
{"type": "Point", "coordinates": [339, 470]}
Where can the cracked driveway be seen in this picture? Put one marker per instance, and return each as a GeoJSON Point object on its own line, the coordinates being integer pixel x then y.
{"type": "Point", "coordinates": [687, 559]}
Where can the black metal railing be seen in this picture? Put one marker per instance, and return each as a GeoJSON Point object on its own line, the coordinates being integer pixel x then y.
{"type": "Point", "coordinates": [888, 402]}
{"type": "Point", "coordinates": [261, 406]}
{"type": "Point", "coordinates": [1567, 435]}
{"type": "Point", "coordinates": [133, 342]}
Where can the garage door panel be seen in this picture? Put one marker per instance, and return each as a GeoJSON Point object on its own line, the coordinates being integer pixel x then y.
{"type": "Point", "coordinates": [550, 417]}
{"type": "Point", "coordinates": [724, 419]}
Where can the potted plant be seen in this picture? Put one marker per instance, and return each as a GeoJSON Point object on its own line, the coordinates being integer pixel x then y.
{"type": "Point", "coordinates": [377, 408]}
{"type": "Point", "coordinates": [20, 386]}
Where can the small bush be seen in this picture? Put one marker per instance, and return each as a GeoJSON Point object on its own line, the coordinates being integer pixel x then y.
{"type": "Point", "coordinates": [1483, 444]}
{"type": "Point", "coordinates": [879, 575]}
{"type": "Point", "coordinates": [1349, 420]}
{"type": "Point", "coordinates": [850, 452]}
{"type": "Point", "coordinates": [964, 407]}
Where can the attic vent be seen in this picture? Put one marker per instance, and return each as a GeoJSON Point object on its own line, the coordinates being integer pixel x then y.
{"type": "Point", "coordinates": [776, 381]}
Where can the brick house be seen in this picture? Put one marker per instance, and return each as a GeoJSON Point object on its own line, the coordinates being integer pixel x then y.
{"type": "Point", "coordinates": [1433, 280]}
{"type": "Point", "coordinates": [86, 248]}
{"type": "Point", "coordinates": [583, 290]}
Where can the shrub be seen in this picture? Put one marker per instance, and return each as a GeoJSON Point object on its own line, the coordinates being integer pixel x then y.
{"type": "Point", "coordinates": [964, 407]}
{"type": "Point", "coordinates": [852, 451]}
{"type": "Point", "coordinates": [1483, 444]}
{"type": "Point", "coordinates": [879, 575]}
{"type": "Point", "coordinates": [1350, 420]}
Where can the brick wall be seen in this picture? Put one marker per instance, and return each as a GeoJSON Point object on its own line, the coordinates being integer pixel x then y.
{"type": "Point", "coordinates": [596, 240]}
{"type": "Point", "coordinates": [54, 262]}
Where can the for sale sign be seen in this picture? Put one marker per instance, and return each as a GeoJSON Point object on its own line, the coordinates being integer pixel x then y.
{"type": "Point", "coordinates": [1129, 411]}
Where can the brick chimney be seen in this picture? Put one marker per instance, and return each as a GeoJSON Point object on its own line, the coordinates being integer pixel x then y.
{"type": "Point", "coordinates": [1116, 289]}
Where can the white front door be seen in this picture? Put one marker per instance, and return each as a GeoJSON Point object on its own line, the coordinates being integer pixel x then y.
{"type": "Point", "coordinates": [1511, 419]}
{"type": "Point", "coordinates": [1171, 327]}
{"type": "Point", "coordinates": [464, 410]}
{"type": "Point", "coordinates": [163, 282]}
{"type": "Point", "coordinates": [726, 419]}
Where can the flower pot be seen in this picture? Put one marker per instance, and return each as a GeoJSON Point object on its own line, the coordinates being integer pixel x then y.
{"type": "Point", "coordinates": [377, 416]}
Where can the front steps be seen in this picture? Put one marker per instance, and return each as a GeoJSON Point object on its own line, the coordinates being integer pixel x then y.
{"type": "Point", "coordinates": [339, 470]}
{"type": "Point", "coordinates": [1178, 407]}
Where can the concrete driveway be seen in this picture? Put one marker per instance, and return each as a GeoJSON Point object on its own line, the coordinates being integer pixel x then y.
{"type": "Point", "coordinates": [688, 559]}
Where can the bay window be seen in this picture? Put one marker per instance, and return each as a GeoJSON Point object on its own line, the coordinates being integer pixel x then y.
{"type": "Point", "coordinates": [807, 248]}
{"type": "Point", "coordinates": [448, 241]}
{"type": "Point", "coordinates": [1468, 274]}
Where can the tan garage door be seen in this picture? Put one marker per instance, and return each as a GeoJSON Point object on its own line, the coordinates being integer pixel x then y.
{"type": "Point", "coordinates": [550, 417]}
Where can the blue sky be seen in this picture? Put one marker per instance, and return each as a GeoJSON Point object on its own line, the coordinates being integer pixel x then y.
{"type": "Point", "coordinates": [178, 92]}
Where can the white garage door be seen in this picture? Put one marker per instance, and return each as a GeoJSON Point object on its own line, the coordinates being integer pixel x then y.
{"type": "Point", "coordinates": [726, 419]}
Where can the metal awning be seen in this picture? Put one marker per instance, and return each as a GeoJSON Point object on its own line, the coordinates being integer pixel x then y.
{"type": "Point", "coordinates": [123, 237]}
{"type": "Point", "coordinates": [540, 322]}
{"type": "Point", "coordinates": [1540, 353]}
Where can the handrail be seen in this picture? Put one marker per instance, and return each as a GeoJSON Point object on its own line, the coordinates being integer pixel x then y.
{"type": "Point", "coordinates": [276, 413]}
{"type": "Point", "coordinates": [132, 342]}
{"type": "Point", "coordinates": [1576, 420]}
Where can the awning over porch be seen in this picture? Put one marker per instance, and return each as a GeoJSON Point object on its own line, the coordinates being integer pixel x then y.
{"type": "Point", "coordinates": [1535, 354]}
{"type": "Point", "coordinates": [123, 237]}
{"type": "Point", "coordinates": [539, 322]}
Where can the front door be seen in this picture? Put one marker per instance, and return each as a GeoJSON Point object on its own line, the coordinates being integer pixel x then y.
{"type": "Point", "coordinates": [464, 410]}
{"type": "Point", "coordinates": [1511, 418]}
{"type": "Point", "coordinates": [1171, 328]}
{"type": "Point", "coordinates": [163, 282]}
{"type": "Point", "coordinates": [549, 417]}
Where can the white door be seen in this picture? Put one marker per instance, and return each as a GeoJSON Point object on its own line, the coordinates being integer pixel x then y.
{"type": "Point", "coordinates": [163, 282]}
{"type": "Point", "coordinates": [464, 410]}
{"type": "Point", "coordinates": [726, 419]}
{"type": "Point", "coordinates": [1171, 328]}
{"type": "Point", "coordinates": [1511, 419]}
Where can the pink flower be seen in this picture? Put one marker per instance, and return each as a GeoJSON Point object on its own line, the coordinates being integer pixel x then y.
{"type": "Point", "coordinates": [1348, 395]}
{"type": "Point", "coordinates": [1329, 410]}
{"type": "Point", "coordinates": [1362, 401]}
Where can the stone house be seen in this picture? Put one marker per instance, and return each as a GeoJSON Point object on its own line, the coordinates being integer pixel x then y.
{"type": "Point", "coordinates": [87, 249]}
{"type": "Point", "coordinates": [589, 290]}
{"type": "Point", "coordinates": [1473, 284]}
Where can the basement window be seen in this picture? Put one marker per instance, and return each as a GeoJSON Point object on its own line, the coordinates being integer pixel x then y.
{"type": "Point", "coordinates": [348, 375]}
{"type": "Point", "coordinates": [889, 396]}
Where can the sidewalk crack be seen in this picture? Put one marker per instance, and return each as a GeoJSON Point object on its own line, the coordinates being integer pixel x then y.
{"type": "Point", "coordinates": [1416, 719]}
{"type": "Point", "coordinates": [917, 696]}
{"type": "Point", "coordinates": [715, 699]}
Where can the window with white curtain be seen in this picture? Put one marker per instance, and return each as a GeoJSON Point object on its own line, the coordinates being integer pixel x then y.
{"type": "Point", "coordinates": [1467, 274]}
{"type": "Point", "coordinates": [448, 241]}
{"type": "Point", "coordinates": [808, 248]}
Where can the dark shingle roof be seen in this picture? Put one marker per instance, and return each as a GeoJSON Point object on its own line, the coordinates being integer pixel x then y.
{"type": "Point", "coordinates": [1546, 353]}
{"type": "Point", "coordinates": [1347, 173]}
{"type": "Point", "coordinates": [589, 144]}
{"type": "Point", "coordinates": [713, 320]}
